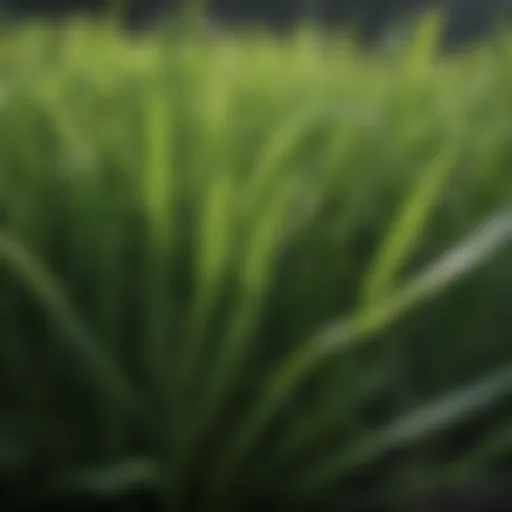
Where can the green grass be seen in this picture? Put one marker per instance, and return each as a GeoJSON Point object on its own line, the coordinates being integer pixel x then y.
{"type": "Point", "coordinates": [254, 269]}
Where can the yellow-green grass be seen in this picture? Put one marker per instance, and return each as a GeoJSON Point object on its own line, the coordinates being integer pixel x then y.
{"type": "Point", "coordinates": [231, 265]}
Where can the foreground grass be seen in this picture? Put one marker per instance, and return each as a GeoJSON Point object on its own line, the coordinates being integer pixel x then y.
{"type": "Point", "coordinates": [247, 272]}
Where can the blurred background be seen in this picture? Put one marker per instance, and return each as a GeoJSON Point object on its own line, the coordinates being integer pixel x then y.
{"type": "Point", "coordinates": [466, 19]}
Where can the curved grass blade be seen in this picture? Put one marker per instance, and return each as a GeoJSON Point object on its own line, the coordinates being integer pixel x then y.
{"type": "Point", "coordinates": [444, 413]}
{"type": "Point", "coordinates": [97, 366]}
{"type": "Point", "coordinates": [403, 238]}
{"type": "Point", "coordinates": [450, 268]}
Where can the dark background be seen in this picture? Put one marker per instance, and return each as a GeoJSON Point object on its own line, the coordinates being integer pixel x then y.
{"type": "Point", "coordinates": [467, 19]}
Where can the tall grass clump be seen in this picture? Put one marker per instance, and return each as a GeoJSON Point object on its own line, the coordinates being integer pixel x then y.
{"type": "Point", "coordinates": [247, 272]}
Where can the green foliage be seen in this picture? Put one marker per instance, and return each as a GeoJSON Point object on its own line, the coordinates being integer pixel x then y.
{"type": "Point", "coordinates": [247, 270]}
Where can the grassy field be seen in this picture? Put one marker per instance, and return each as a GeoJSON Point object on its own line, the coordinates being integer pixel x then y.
{"type": "Point", "coordinates": [239, 272]}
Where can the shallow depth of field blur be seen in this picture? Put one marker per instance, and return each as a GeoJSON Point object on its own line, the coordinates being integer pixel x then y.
{"type": "Point", "coordinates": [246, 271]}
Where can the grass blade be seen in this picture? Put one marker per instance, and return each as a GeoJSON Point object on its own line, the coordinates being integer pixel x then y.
{"type": "Point", "coordinates": [444, 413]}
{"type": "Point", "coordinates": [100, 370]}
{"type": "Point", "coordinates": [403, 238]}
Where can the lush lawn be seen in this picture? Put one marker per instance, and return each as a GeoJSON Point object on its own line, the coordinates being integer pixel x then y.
{"type": "Point", "coordinates": [240, 271]}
